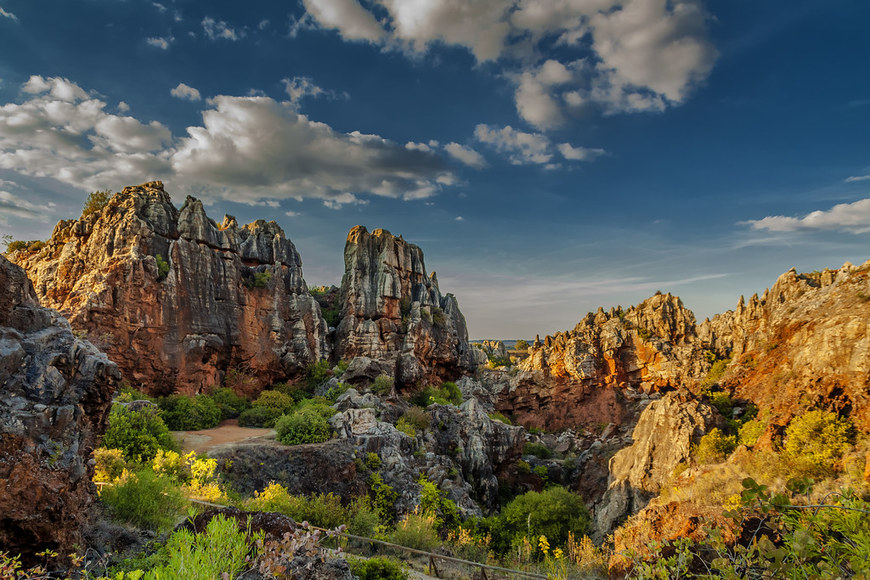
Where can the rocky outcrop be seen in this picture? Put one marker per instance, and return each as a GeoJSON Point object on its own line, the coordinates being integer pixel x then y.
{"type": "Point", "coordinates": [805, 342]}
{"type": "Point", "coordinates": [55, 395]}
{"type": "Point", "coordinates": [651, 346]}
{"type": "Point", "coordinates": [663, 439]}
{"type": "Point", "coordinates": [393, 311]}
{"type": "Point", "coordinates": [177, 299]}
{"type": "Point", "coordinates": [494, 349]}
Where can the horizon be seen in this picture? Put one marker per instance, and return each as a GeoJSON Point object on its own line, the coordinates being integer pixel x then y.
{"type": "Point", "coordinates": [549, 159]}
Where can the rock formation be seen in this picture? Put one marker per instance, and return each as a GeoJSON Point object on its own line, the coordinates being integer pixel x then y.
{"type": "Point", "coordinates": [55, 394]}
{"type": "Point", "coordinates": [804, 343]}
{"type": "Point", "coordinates": [393, 311]}
{"type": "Point", "coordinates": [494, 349]}
{"type": "Point", "coordinates": [176, 299]}
{"type": "Point", "coordinates": [663, 438]}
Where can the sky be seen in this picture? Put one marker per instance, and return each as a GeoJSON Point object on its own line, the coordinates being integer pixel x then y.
{"type": "Point", "coordinates": [548, 156]}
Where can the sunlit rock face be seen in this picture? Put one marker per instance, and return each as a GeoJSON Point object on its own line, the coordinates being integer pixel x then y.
{"type": "Point", "coordinates": [177, 299]}
{"type": "Point", "coordinates": [805, 342]}
{"type": "Point", "coordinates": [393, 311]}
{"type": "Point", "coordinates": [55, 394]}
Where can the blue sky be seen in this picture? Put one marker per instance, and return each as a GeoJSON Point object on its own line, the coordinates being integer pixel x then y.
{"type": "Point", "coordinates": [549, 156]}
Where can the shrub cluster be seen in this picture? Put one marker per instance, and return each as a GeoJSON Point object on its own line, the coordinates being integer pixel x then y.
{"type": "Point", "coordinates": [182, 413]}
{"type": "Point", "coordinates": [138, 434]}
{"type": "Point", "coordinates": [303, 426]}
{"type": "Point", "coordinates": [447, 394]}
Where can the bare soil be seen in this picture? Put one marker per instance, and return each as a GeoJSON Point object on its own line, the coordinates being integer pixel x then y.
{"type": "Point", "coordinates": [227, 432]}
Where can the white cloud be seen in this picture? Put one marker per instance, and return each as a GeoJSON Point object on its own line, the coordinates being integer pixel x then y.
{"type": "Point", "coordinates": [856, 178]}
{"type": "Point", "coordinates": [14, 207]}
{"type": "Point", "coordinates": [185, 92]}
{"type": "Point", "coordinates": [123, 107]}
{"type": "Point", "coordinates": [220, 30]}
{"type": "Point", "coordinates": [292, 214]}
{"type": "Point", "coordinates": [571, 153]}
{"type": "Point", "coordinates": [299, 87]}
{"type": "Point", "coordinates": [459, 218]}
{"type": "Point", "coordinates": [247, 149]}
{"type": "Point", "coordinates": [8, 15]}
{"type": "Point", "coordinates": [850, 217]}
{"type": "Point", "coordinates": [466, 155]}
{"type": "Point", "coordinates": [263, 24]}
{"type": "Point", "coordinates": [160, 42]}
{"type": "Point", "coordinates": [352, 20]}
{"type": "Point", "coordinates": [520, 147]}
{"type": "Point", "coordinates": [160, 7]}
{"type": "Point", "coordinates": [617, 55]}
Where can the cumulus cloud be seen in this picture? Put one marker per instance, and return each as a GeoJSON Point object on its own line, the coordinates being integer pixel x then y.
{"type": "Point", "coordinates": [246, 149]}
{"type": "Point", "coordinates": [571, 153]}
{"type": "Point", "coordinates": [466, 155]}
{"type": "Point", "coordinates": [298, 88]}
{"type": "Point", "coordinates": [9, 15]}
{"type": "Point", "coordinates": [856, 178]}
{"type": "Point", "coordinates": [617, 55]}
{"type": "Point", "coordinates": [160, 42]}
{"type": "Point", "coordinates": [185, 92]}
{"type": "Point", "coordinates": [849, 217]}
{"type": "Point", "coordinates": [220, 30]}
{"type": "Point", "coordinates": [347, 16]}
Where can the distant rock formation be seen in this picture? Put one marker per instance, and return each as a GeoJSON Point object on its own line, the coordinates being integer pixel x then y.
{"type": "Point", "coordinates": [494, 349]}
{"type": "Point", "coordinates": [804, 343]}
{"type": "Point", "coordinates": [393, 311]}
{"type": "Point", "coordinates": [175, 298]}
{"type": "Point", "coordinates": [55, 395]}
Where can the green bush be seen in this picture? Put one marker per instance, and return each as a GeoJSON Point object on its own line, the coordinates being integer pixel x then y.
{"type": "Point", "coordinates": [717, 370]}
{"type": "Point", "coordinates": [145, 500]}
{"type": "Point", "coordinates": [406, 427]}
{"type": "Point", "coordinates": [317, 374]}
{"type": "Point", "coordinates": [333, 393]}
{"type": "Point", "coordinates": [722, 401]}
{"type": "Point", "coordinates": [383, 385]}
{"type": "Point", "coordinates": [276, 400]}
{"type": "Point", "coordinates": [521, 345]}
{"type": "Point", "coordinates": [95, 202]}
{"type": "Point", "coordinates": [322, 510]}
{"type": "Point", "coordinates": [262, 279]}
{"type": "Point", "coordinates": [364, 518]}
{"type": "Point", "coordinates": [815, 441]}
{"type": "Point", "coordinates": [317, 405]}
{"type": "Point", "coordinates": [447, 394]}
{"type": "Point", "coordinates": [416, 530]}
{"type": "Point", "coordinates": [138, 434]}
{"type": "Point", "coordinates": [553, 513]}
{"type": "Point", "coordinates": [418, 418]}
{"type": "Point", "coordinates": [378, 568]}
{"type": "Point", "coordinates": [219, 552]}
{"type": "Point", "coordinates": [110, 464]}
{"type": "Point", "coordinates": [434, 501]}
{"type": "Point", "coordinates": [439, 318]}
{"type": "Point", "coordinates": [383, 498]}
{"type": "Point", "coordinates": [305, 426]}
{"type": "Point", "coordinates": [715, 446]}
{"type": "Point", "coordinates": [538, 450]}
{"type": "Point", "coordinates": [264, 417]}
{"type": "Point", "coordinates": [162, 267]}
{"type": "Point", "coordinates": [230, 404]}
{"type": "Point", "coordinates": [496, 416]}
{"type": "Point", "coordinates": [749, 432]}
{"type": "Point", "coordinates": [182, 413]}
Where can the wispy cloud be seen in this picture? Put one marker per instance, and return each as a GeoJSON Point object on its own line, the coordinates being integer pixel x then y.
{"type": "Point", "coordinates": [160, 42]}
{"type": "Point", "coordinates": [220, 30]}
{"type": "Point", "coordinates": [856, 178]}
{"type": "Point", "coordinates": [466, 155]}
{"type": "Point", "coordinates": [9, 15]}
{"type": "Point", "coordinates": [524, 148]}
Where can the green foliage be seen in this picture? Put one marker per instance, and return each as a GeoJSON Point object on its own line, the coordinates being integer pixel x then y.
{"type": "Point", "coordinates": [19, 245]}
{"type": "Point", "coordinates": [323, 510]}
{"type": "Point", "coordinates": [406, 427]}
{"type": "Point", "coordinates": [373, 461]}
{"type": "Point", "coordinates": [333, 393]}
{"type": "Point", "coordinates": [434, 501]}
{"type": "Point", "coordinates": [317, 374]}
{"type": "Point", "coordinates": [521, 345]}
{"type": "Point", "coordinates": [259, 417]}
{"type": "Point", "coordinates": [242, 383]}
{"type": "Point", "coordinates": [384, 498]}
{"type": "Point", "coordinates": [715, 446]}
{"type": "Point", "coordinates": [128, 394]}
{"type": "Point", "coordinates": [438, 317]}
{"type": "Point", "coordinates": [405, 306]}
{"type": "Point", "coordinates": [262, 279]}
{"type": "Point", "coordinates": [340, 367]}
{"type": "Point", "coordinates": [276, 400]}
{"type": "Point", "coordinates": [182, 413]}
{"type": "Point", "coordinates": [749, 432]}
{"type": "Point", "coordinates": [816, 441]}
{"type": "Point", "coordinates": [416, 530]}
{"type": "Point", "coordinates": [447, 394]}
{"type": "Point", "coordinates": [383, 385]}
{"type": "Point", "coordinates": [496, 416]}
{"type": "Point", "coordinates": [221, 549]}
{"type": "Point", "coordinates": [377, 569]}
{"type": "Point", "coordinates": [95, 202]}
{"type": "Point", "coordinates": [553, 513]}
{"type": "Point", "coordinates": [364, 519]}
{"type": "Point", "coordinates": [138, 434]}
{"type": "Point", "coordinates": [644, 333]}
{"type": "Point", "coordinates": [230, 404]}
{"type": "Point", "coordinates": [722, 401]}
{"type": "Point", "coordinates": [538, 450]}
{"type": "Point", "coordinates": [318, 405]}
{"type": "Point", "coordinates": [145, 499]}
{"type": "Point", "coordinates": [717, 370]}
{"type": "Point", "coordinates": [499, 361]}
{"type": "Point", "coordinates": [110, 464]}
{"type": "Point", "coordinates": [331, 315]}
{"type": "Point", "coordinates": [162, 267]}
{"type": "Point", "coordinates": [304, 426]}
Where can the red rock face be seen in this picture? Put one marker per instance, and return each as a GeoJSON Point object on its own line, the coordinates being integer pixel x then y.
{"type": "Point", "coordinates": [804, 343]}
{"type": "Point", "coordinates": [55, 396]}
{"type": "Point", "coordinates": [393, 311]}
{"type": "Point", "coordinates": [176, 299]}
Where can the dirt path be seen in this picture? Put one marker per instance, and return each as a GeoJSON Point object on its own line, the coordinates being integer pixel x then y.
{"type": "Point", "coordinates": [227, 432]}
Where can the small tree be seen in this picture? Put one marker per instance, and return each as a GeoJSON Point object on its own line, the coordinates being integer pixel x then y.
{"type": "Point", "coordinates": [816, 440]}
{"type": "Point", "coordinates": [96, 201]}
{"type": "Point", "coordinates": [521, 345]}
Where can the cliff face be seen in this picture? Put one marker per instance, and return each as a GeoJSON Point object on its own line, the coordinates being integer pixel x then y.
{"type": "Point", "coordinates": [176, 299]}
{"type": "Point", "coordinates": [393, 311]}
{"type": "Point", "coordinates": [805, 342]}
{"type": "Point", "coordinates": [55, 396]}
